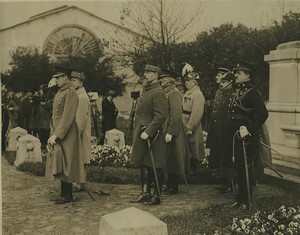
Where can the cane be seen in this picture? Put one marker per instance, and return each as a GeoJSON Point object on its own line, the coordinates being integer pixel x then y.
{"type": "Point", "coordinates": [186, 184]}
{"type": "Point", "coordinates": [88, 192]}
{"type": "Point", "coordinates": [154, 168]}
{"type": "Point", "coordinates": [246, 172]}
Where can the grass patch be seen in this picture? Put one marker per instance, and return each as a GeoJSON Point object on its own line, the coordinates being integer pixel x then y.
{"type": "Point", "coordinates": [218, 217]}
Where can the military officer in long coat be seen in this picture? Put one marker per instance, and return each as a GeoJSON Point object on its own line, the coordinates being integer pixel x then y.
{"type": "Point", "coordinates": [192, 112]}
{"type": "Point", "coordinates": [151, 113]}
{"type": "Point", "coordinates": [83, 120]}
{"type": "Point", "coordinates": [247, 114]}
{"type": "Point", "coordinates": [216, 134]}
{"type": "Point", "coordinates": [177, 162]}
{"type": "Point", "coordinates": [64, 161]}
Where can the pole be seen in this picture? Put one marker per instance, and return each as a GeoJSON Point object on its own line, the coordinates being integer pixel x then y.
{"type": "Point", "coordinates": [154, 168]}
{"type": "Point", "coordinates": [246, 172]}
{"type": "Point", "coordinates": [268, 147]}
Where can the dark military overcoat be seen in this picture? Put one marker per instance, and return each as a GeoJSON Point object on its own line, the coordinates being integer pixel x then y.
{"type": "Point", "coordinates": [217, 124]}
{"type": "Point", "coordinates": [150, 115]}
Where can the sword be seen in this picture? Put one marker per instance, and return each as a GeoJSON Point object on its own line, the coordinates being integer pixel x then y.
{"type": "Point", "coordinates": [246, 172]}
{"type": "Point", "coordinates": [154, 168]}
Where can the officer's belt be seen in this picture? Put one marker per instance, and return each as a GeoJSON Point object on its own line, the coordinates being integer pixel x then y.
{"type": "Point", "coordinates": [186, 112]}
{"type": "Point", "coordinates": [239, 116]}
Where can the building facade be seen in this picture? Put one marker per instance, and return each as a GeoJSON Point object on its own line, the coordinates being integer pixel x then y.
{"type": "Point", "coordinates": [69, 30]}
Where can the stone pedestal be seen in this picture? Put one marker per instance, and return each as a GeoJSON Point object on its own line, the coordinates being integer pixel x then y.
{"type": "Point", "coordinates": [29, 150]}
{"type": "Point", "coordinates": [284, 100]}
{"type": "Point", "coordinates": [114, 137]}
{"type": "Point", "coordinates": [131, 221]}
{"type": "Point", "coordinates": [13, 138]}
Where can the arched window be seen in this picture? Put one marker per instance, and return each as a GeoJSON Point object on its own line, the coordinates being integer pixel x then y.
{"type": "Point", "coordinates": [71, 41]}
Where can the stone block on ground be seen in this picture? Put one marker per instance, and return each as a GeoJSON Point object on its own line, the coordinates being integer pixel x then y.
{"type": "Point", "coordinates": [29, 150]}
{"type": "Point", "coordinates": [114, 137]}
{"type": "Point", "coordinates": [13, 137]}
{"type": "Point", "coordinates": [131, 221]}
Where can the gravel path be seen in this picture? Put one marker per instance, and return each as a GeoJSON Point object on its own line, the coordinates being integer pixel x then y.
{"type": "Point", "coordinates": [26, 208]}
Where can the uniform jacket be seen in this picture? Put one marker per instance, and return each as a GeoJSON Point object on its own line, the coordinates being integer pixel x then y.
{"type": "Point", "coordinates": [217, 124]}
{"type": "Point", "coordinates": [110, 113]}
{"type": "Point", "coordinates": [83, 120]}
{"type": "Point", "coordinates": [247, 108]}
{"type": "Point", "coordinates": [192, 108]}
{"type": "Point", "coordinates": [67, 147]}
{"type": "Point", "coordinates": [151, 113]}
{"type": "Point", "coordinates": [176, 159]}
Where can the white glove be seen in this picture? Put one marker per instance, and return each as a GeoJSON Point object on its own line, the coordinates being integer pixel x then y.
{"type": "Point", "coordinates": [207, 152]}
{"type": "Point", "coordinates": [188, 132]}
{"type": "Point", "coordinates": [52, 139]}
{"type": "Point", "coordinates": [144, 135]}
{"type": "Point", "coordinates": [244, 131]}
{"type": "Point", "coordinates": [168, 138]}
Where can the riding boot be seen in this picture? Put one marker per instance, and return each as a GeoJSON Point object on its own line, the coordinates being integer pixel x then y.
{"type": "Point", "coordinates": [155, 200]}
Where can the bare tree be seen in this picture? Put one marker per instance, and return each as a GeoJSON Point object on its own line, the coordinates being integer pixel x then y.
{"type": "Point", "coordinates": [162, 22]}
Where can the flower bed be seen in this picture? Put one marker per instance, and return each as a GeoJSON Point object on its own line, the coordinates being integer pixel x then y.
{"type": "Point", "coordinates": [285, 220]}
{"type": "Point", "coordinates": [106, 155]}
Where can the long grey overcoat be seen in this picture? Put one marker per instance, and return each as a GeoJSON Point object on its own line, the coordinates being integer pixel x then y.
{"type": "Point", "coordinates": [177, 161]}
{"type": "Point", "coordinates": [151, 113]}
{"type": "Point", "coordinates": [65, 162]}
{"type": "Point", "coordinates": [192, 109]}
{"type": "Point", "coordinates": [83, 120]}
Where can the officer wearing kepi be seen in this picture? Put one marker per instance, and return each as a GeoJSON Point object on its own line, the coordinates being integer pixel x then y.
{"type": "Point", "coordinates": [151, 114]}
{"type": "Point", "coordinates": [247, 114]}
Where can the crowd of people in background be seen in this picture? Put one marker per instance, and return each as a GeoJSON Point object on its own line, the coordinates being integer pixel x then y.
{"type": "Point", "coordinates": [28, 110]}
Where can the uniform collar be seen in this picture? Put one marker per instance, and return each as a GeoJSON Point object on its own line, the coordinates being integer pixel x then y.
{"type": "Point", "coordinates": [169, 88]}
{"type": "Point", "coordinates": [151, 86]}
{"type": "Point", "coordinates": [65, 86]}
{"type": "Point", "coordinates": [245, 86]}
{"type": "Point", "coordinates": [193, 89]}
{"type": "Point", "coordinates": [80, 90]}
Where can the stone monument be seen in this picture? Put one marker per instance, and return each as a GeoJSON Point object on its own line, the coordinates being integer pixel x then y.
{"type": "Point", "coordinates": [29, 150]}
{"type": "Point", "coordinates": [13, 138]}
{"type": "Point", "coordinates": [114, 137]}
{"type": "Point", "coordinates": [131, 221]}
{"type": "Point", "coordinates": [284, 104]}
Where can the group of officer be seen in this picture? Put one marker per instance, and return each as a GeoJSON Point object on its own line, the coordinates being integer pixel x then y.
{"type": "Point", "coordinates": [168, 137]}
{"type": "Point", "coordinates": [69, 144]}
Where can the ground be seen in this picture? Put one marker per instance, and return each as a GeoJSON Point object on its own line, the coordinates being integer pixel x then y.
{"type": "Point", "coordinates": [26, 208]}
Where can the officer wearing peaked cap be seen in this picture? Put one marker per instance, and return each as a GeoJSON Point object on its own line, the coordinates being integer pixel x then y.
{"type": "Point", "coordinates": [247, 114]}
{"type": "Point", "coordinates": [64, 163]}
{"type": "Point", "coordinates": [215, 137]}
{"type": "Point", "coordinates": [151, 113]}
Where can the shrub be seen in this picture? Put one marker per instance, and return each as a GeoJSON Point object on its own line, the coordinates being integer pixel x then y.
{"type": "Point", "coordinates": [36, 168]}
